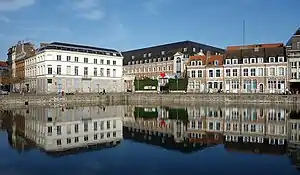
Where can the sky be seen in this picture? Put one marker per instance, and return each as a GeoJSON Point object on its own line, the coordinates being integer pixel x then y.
{"type": "Point", "coordinates": [133, 24]}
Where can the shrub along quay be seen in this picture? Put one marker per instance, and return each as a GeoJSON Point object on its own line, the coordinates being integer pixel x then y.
{"type": "Point", "coordinates": [148, 98]}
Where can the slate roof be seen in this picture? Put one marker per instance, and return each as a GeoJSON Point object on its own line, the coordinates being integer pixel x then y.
{"type": "Point", "coordinates": [79, 48]}
{"type": "Point", "coordinates": [297, 32]}
{"type": "Point", "coordinates": [169, 51]}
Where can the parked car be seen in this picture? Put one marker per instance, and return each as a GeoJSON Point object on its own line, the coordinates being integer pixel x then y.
{"type": "Point", "coordinates": [3, 92]}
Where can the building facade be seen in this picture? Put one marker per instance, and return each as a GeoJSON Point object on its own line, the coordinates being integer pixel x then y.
{"type": "Point", "coordinates": [293, 56]}
{"type": "Point", "coordinates": [168, 58]}
{"type": "Point", "coordinates": [4, 76]}
{"type": "Point", "coordinates": [260, 68]}
{"type": "Point", "coordinates": [205, 73]}
{"type": "Point", "coordinates": [58, 67]}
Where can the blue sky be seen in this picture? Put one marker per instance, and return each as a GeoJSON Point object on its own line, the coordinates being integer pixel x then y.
{"type": "Point", "coordinates": [130, 24]}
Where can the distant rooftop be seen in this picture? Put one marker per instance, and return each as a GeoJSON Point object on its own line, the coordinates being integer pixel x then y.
{"type": "Point", "coordinates": [297, 33]}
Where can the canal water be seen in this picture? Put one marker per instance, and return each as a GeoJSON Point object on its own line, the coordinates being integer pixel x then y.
{"type": "Point", "coordinates": [206, 139]}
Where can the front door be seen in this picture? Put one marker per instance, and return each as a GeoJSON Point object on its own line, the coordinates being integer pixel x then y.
{"type": "Point", "coordinates": [261, 88]}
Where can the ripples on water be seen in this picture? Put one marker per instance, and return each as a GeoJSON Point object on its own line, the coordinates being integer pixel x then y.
{"type": "Point", "coordinates": [150, 140]}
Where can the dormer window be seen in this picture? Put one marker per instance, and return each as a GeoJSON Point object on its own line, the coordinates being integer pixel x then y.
{"type": "Point", "coordinates": [146, 61]}
{"type": "Point", "coordinates": [245, 61]}
{"type": "Point", "coordinates": [235, 61]}
{"type": "Point", "coordinates": [141, 61]}
{"type": "Point", "coordinates": [280, 59]}
{"type": "Point", "coordinates": [154, 60]}
{"type": "Point", "coordinates": [145, 55]}
{"type": "Point", "coordinates": [252, 60]}
{"type": "Point", "coordinates": [132, 57]}
{"type": "Point", "coordinates": [228, 61]}
{"type": "Point", "coordinates": [194, 49]}
{"type": "Point", "coordinates": [260, 60]}
{"type": "Point", "coordinates": [137, 62]}
{"type": "Point", "coordinates": [271, 59]}
{"type": "Point", "coordinates": [216, 62]}
{"type": "Point", "coordinates": [164, 58]}
{"type": "Point", "coordinates": [129, 63]}
{"type": "Point", "coordinates": [184, 49]}
{"type": "Point", "coordinates": [200, 63]}
{"type": "Point", "coordinates": [193, 63]}
{"type": "Point", "coordinates": [149, 54]}
{"type": "Point", "coordinates": [158, 59]}
{"type": "Point", "coordinates": [162, 52]}
{"type": "Point", "coordinates": [150, 60]}
{"type": "Point", "coordinates": [256, 49]}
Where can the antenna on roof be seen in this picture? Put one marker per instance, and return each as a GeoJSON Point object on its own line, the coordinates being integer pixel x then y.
{"type": "Point", "coordinates": [244, 29]}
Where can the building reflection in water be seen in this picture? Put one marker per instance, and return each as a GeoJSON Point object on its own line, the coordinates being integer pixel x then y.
{"type": "Point", "coordinates": [63, 131]}
{"type": "Point", "coordinates": [66, 130]}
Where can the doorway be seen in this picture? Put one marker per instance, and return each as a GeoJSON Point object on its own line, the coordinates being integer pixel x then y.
{"type": "Point", "coordinates": [261, 88]}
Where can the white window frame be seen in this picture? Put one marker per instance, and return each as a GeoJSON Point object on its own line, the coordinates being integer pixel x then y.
{"type": "Point", "coordinates": [245, 61]}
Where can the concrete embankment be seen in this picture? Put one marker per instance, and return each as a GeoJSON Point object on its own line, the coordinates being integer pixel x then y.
{"type": "Point", "coordinates": [146, 98]}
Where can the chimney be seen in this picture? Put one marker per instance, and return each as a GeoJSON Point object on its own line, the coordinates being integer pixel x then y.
{"type": "Point", "coordinates": [208, 55]}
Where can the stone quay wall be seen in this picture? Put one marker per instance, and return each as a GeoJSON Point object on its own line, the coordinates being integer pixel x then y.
{"type": "Point", "coordinates": [147, 98]}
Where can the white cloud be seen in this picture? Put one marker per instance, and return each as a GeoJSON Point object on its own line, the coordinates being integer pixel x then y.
{"type": "Point", "coordinates": [47, 29]}
{"type": "Point", "coordinates": [12, 5]}
{"type": "Point", "coordinates": [94, 15]}
{"type": "Point", "coordinates": [4, 18]}
{"type": "Point", "coordinates": [88, 9]}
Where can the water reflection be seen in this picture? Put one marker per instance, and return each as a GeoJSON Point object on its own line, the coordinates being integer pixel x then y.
{"type": "Point", "coordinates": [71, 130]}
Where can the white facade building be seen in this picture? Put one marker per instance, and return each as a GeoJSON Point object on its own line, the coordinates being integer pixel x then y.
{"type": "Point", "coordinates": [54, 129]}
{"type": "Point", "coordinates": [74, 68]}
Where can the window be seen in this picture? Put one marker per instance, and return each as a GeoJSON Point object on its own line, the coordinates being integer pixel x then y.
{"type": "Point", "coordinates": [260, 60]}
{"type": "Point", "coordinates": [58, 142]}
{"type": "Point", "coordinates": [298, 46]}
{"type": "Point", "coordinates": [95, 71]}
{"type": "Point", "coordinates": [235, 84]}
{"type": "Point", "coordinates": [280, 59]}
{"type": "Point", "coordinates": [108, 135]}
{"type": "Point", "coordinates": [85, 71]}
{"type": "Point", "coordinates": [108, 125]}
{"type": "Point", "coordinates": [49, 69]}
{"type": "Point", "coordinates": [95, 126]}
{"type": "Point", "coordinates": [68, 58]}
{"type": "Point", "coordinates": [68, 70]}
{"type": "Point", "coordinates": [218, 73]}
{"type": "Point", "coordinates": [211, 73]}
{"type": "Point", "coordinates": [108, 72]}
{"type": "Point", "coordinates": [272, 71]}
{"type": "Point", "coordinates": [49, 130]}
{"type": "Point", "coordinates": [68, 140]}
{"type": "Point", "coordinates": [85, 126]}
{"type": "Point", "coordinates": [234, 72]}
{"type": "Point", "coordinates": [108, 62]}
{"type": "Point", "coordinates": [281, 71]}
{"type": "Point", "coordinates": [95, 61]}
{"type": "Point", "coordinates": [235, 61]}
{"type": "Point", "coordinates": [293, 64]}
{"type": "Point", "coordinates": [58, 130]}
{"type": "Point", "coordinates": [228, 61]}
{"type": "Point", "coordinates": [86, 138]}
{"type": "Point", "coordinates": [114, 73]}
{"type": "Point", "coordinates": [114, 62]}
{"type": "Point", "coordinates": [68, 129]}
{"type": "Point", "coordinates": [271, 59]}
{"type": "Point", "coordinates": [76, 70]}
{"type": "Point", "coordinates": [253, 71]}
{"type": "Point", "coordinates": [114, 134]}
{"type": "Point", "coordinates": [149, 54]}
{"type": "Point", "coordinates": [193, 73]}
{"type": "Point", "coordinates": [200, 73]}
{"type": "Point", "coordinates": [58, 69]}
{"type": "Point", "coordinates": [101, 72]}
{"type": "Point", "coordinates": [58, 57]}
{"type": "Point", "coordinates": [132, 57]}
{"type": "Point", "coordinates": [245, 71]}
{"type": "Point", "coordinates": [95, 136]}
{"type": "Point", "coordinates": [253, 60]}
{"type": "Point", "coordinates": [228, 73]}
{"type": "Point", "coordinates": [260, 72]}
{"type": "Point", "coordinates": [101, 61]}
{"type": "Point", "coordinates": [216, 62]}
{"type": "Point", "coordinates": [76, 128]}
{"type": "Point", "coordinates": [86, 60]}
{"type": "Point", "coordinates": [162, 52]}
{"type": "Point", "coordinates": [193, 63]}
{"type": "Point", "coordinates": [76, 59]}
{"type": "Point", "coordinates": [245, 61]}
{"type": "Point", "coordinates": [102, 125]}
{"type": "Point", "coordinates": [185, 50]}
{"type": "Point", "coordinates": [76, 139]}
{"type": "Point", "coordinates": [114, 123]}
